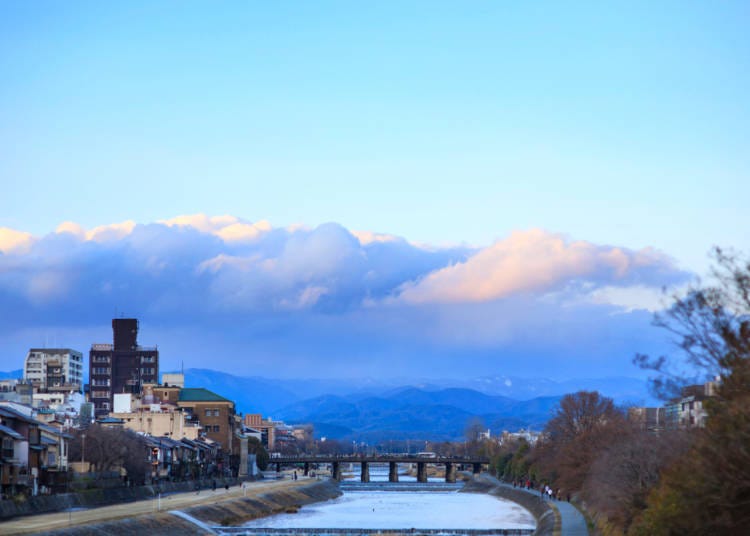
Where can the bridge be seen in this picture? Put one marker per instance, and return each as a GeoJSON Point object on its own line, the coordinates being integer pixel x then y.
{"type": "Point", "coordinates": [451, 464]}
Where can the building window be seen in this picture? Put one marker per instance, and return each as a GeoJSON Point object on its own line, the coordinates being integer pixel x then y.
{"type": "Point", "coordinates": [217, 428]}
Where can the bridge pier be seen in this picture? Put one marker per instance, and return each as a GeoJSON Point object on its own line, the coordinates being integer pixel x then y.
{"type": "Point", "coordinates": [477, 468]}
{"type": "Point", "coordinates": [307, 469]}
{"type": "Point", "coordinates": [365, 472]}
{"type": "Point", "coordinates": [421, 472]}
{"type": "Point", "coordinates": [336, 471]}
{"type": "Point", "coordinates": [392, 472]}
{"type": "Point", "coordinates": [450, 472]}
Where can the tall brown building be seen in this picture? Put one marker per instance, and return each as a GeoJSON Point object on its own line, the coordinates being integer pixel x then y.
{"type": "Point", "coordinates": [121, 367]}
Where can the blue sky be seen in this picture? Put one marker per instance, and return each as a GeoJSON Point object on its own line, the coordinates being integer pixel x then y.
{"type": "Point", "coordinates": [480, 135]}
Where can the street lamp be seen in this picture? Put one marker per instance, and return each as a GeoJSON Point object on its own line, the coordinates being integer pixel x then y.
{"type": "Point", "coordinates": [83, 449]}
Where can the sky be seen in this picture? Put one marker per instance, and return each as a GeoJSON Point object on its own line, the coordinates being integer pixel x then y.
{"type": "Point", "coordinates": [342, 189]}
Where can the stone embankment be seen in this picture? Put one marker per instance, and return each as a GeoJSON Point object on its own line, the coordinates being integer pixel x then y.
{"type": "Point", "coordinates": [244, 509]}
{"type": "Point", "coordinates": [199, 511]}
{"type": "Point", "coordinates": [543, 512]}
{"type": "Point", "coordinates": [92, 498]}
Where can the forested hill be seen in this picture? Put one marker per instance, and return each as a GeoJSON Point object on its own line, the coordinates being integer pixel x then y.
{"type": "Point", "coordinates": [415, 413]}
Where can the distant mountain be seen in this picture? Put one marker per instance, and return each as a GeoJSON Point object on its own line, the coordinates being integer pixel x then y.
{"type": "Point", "coordinates": [415, 413]}
{"type": "Point", "coordinates": [621, 389]}
{"type": "Point", "coordinates": [371, 410]}
{"type": "Point", "coordinates": [12, 374]}
{"type": "Point", "coordinates": [251, 395]}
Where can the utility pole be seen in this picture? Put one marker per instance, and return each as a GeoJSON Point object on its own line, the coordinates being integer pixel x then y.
{"type": "Point", "coordinates": [83, 450]}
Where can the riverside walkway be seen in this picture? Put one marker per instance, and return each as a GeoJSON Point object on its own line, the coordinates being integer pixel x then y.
{"type": "Point", "coordinates": [572, 522]}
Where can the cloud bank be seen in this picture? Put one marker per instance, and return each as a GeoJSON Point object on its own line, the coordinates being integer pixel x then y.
{"type": "Point", "coordinates": [312, 296]}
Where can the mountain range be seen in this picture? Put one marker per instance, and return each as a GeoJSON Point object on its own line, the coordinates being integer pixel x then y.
{"type": "Point", "coordinates": [372, 410]}
{"type": "Point", "coordinates": [412, 413]}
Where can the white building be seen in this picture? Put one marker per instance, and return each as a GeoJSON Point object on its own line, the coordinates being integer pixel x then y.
{"type": "Point", "coordinates": [54, 369]}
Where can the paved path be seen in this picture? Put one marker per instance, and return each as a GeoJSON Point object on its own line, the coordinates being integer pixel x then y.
{"type": "Point", "coordinates": [59, 520]}
{"type": "Point", "coordinates": [572, 521]}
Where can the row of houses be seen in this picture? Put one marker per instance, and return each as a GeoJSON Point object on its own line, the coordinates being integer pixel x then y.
{"type": "Point", "coordinates": [184, 432]}
{"type": "Point", "coordinates": [175, 417]}
{"type": "Point", "coordinates": [34, 455]}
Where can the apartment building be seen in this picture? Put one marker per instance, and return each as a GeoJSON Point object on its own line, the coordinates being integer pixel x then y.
{"type": "Point", "coordinates": [54, 369]}
{"type": "Point", "coordinates": [121, 367]}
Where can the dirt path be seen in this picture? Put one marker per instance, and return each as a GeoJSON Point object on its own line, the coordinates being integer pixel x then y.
{"type": "Point", "coordinates": [174, 501]}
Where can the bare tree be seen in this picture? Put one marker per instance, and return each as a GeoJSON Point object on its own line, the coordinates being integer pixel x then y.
{"type": "Point", "coordinates": [623, 475]}
{"type": "Point", "coordinates": [709, 324]}
{"type": "Point", "coordinates": [583, 426]}
{"type": "Point", "coordinates": [110, 449]}
{"type": "Point", "coordinates": [707, 491]}
{"type": "Point", "coordinates": [472, 432]}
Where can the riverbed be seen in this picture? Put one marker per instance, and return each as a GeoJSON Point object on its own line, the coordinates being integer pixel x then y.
{"type": "Point", "coordinates": [405, 510]}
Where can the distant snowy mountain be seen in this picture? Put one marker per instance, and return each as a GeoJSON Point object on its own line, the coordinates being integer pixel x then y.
{"type": "Point", "coordinates": [622, 389]}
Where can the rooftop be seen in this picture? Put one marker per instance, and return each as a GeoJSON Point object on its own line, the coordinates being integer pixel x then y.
{"type": "Point", "coordinates": [10, 431]}
{"type": "Point", "coordinates": [199, 394]}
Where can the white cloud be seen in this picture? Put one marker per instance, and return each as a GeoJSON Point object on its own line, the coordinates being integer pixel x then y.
{"type": "Point", "coordinates": [103, 233]}
{"type": "Point", "coordinates": [228, 228]}
{"type": "Point", "coordinates": [243, 232]}
{"type": "Point", "coordinates": [368, 237]}
{"type": "Point", "coordinates": [111, 232]}
{"type": "Point", "coordinates": [537, 261]}
{"type": "Point", "coordinates": [631, 298]}
{"type": "Point", "coordinates": [224, 263]}
{"type": "Point", "coordinates": [324, 290]}
{"type": "Point", "coordinates": [72, 228]}
{"type": "Point", "coordinates": [12, 240]}
{"type": "Point", "coordinates": [201, 222]}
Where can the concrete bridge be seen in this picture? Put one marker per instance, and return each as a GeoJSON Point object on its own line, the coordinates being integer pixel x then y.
{"type": "Point", "coordinates": [451, 464]}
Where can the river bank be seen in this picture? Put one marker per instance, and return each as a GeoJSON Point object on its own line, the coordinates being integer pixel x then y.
{"type": "Point", "coordinates": [239, 504]}
{"type": "Point", "coordinates": [543, 513]}
{"type": "Point", "coordinates": [213, 508]}
{"type": "Point", "coordinates": [102, 496]}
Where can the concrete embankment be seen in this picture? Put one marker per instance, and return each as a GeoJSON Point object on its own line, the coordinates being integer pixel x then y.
{"type": "Point", "coordinates": [544, 514]}
{"type": "Point", "coordinates": [244, 509]}
{"type": "Point", "coordinates": [162, 524]}
{"type": "Point", "coordinates": [92, 498]}
{"type": "Point", "coordinates": [206, 509]}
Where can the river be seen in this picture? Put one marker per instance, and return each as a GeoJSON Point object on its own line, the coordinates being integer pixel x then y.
{"type": "Point", "coordinates": [435, 505]}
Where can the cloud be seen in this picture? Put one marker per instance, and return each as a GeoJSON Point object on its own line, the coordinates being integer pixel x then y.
{"type": "Point", "coordinates": [368, 237]}
{"type": "Point", "coordinates": [12, 240]}
{"type": "Point", "coordinates": [325, 296]}
{"type": "Point", "coordinates": [102, 233]}
{"type": "Point", "coordinates": [228, 228]}
{"type": "Point", "coordinates": [539, 262]}
{"type": "Point", "coordinates": [201, 222]}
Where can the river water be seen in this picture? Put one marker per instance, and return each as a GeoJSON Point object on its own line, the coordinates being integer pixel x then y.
{"type": "Point", "coordinates": [435, 505]}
